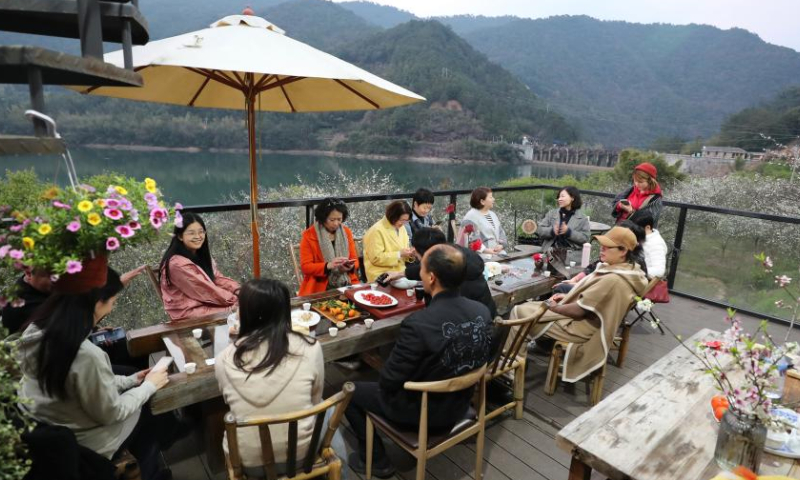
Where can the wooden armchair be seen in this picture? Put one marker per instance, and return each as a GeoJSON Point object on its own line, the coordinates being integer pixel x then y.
{"type": "Point", "coordinates": [294, 253]}
{"type": "Point", "coordinates": [423, 445]}
{"type": "Point", "coordinates": [318, 461]}
{"type": "Point", "coordinates": [509, 358]}
{"type": "Point", "coordinates": [596, 378]}
{"type": "Point", "coordinates": [152, 275]}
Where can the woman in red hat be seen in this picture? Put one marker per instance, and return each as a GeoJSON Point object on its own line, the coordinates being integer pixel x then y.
{"type": "Point", "coordinates": [643, 196]}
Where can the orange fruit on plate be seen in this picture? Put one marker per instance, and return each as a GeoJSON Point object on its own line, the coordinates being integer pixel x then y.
{"type": "Point", "coordinates": [340, 316]}
{"type": "Point", "coordinates": [719, 412]}
{"type": "Point", "coordinates": [719, 401]}
{"type": "Point", "coordinates": [352, 313]}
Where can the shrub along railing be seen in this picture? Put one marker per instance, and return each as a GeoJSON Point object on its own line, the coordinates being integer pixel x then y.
{"type": "Point", "coordinates": [677, 235]}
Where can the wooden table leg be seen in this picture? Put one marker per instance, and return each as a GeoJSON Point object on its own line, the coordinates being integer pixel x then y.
{"type": "Point", "coordinates": [579, 470]}
{"type": "Point", "coordinates": [213, 412]}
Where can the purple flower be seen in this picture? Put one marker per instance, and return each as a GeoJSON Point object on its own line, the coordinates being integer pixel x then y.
{"type": "Point", "coordinates": [74, 266]}
{"type": "Point", "coordinates": [16, 254]}
{"type": "Point", "coordinates": [178, 206]}
{"type": "Point", "coordinates": [125, 204]}
{"type": "Point", "coordinates": [88, 188]}
{"type": "Point", "coordinates": [112, 213]}
{"type": "Point", "coordinates": [134, 215]}
{"type": "Point", "coordinates": [112, 244]}
{"type": "Point", "coordinates": [74, 226]}
{"type": "Point", "coordinates": [16, 228]}
{"type": "Point", "coordinates": [124, 230]}
{"type": "Point", "coordinates": [178, 219]}
{"type": "Point", "coordinates": [4, 250]}
{"type": "Point", "coordinates": [151, 199]}
{"type": "Point", "coordinates": [58, 204]}
{"type": "Point", "coordinates": [135, 225]}
{"type": "Point", "coordinates": [112, 203]}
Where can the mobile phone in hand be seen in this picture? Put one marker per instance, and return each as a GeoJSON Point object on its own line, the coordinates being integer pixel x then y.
{"type": "Point", "coordinates": [625, 201]}
{"type": "Point", "coordinates": [107, 336]}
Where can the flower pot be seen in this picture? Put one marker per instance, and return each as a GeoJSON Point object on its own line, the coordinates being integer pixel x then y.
{"type": "Point", "coordinates": [93, 275]}
{"type": "Point", "coordinates": [740, 442]}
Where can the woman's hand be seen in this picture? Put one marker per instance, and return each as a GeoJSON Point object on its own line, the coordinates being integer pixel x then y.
{"type": "Point", "coordinates": [140, 375]}
{"type": "Point", "coordinates": [625, 206]}
{"type": "Point", "coordinates": [336, 263]}
{"type": "Point", "coordinates": [392, 276]}
{"type": "Point", "coordinates": [159, 378]}
{"type": "Point", "coordinates": [407, 253]}
{"type": "Point", "coordinates": [126, 277]}
{"type": "Point", "coordinates": [557, 297]}
{"type": "Point", "coordinates": [562, 229]}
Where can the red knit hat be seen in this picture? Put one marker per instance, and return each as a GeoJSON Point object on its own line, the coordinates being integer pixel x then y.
{"type": "Point", "coordinates": [647, 168]}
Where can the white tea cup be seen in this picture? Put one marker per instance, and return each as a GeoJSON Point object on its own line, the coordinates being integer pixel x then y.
{"type": "Point", "coordinates": [368, 323]}
{"type": "Point", "coordinates": [190, 368]}
{"type": "Point", "coordinates": [410, 292]}
{"type": "Point", "coordinates": [572, 264]}
{"type": "Point", "coordinates": [373, 286]}
{"type": "Point", "coordinates": [197, 333]}
{"type": "Point", "coordinates": [546, 273]}
{"type": "Point", "coordinates": [333, 331]}
{"type": "Point", "coordinates": [306, 306]}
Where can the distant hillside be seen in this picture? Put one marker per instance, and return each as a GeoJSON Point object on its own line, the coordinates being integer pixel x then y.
{"type": "Point", "coordinates": [464, 24]}
{"type": "Point", "coordinates": [779, 118]}
{"type": "Point", "coordinates": [471, 100]}
{"type": "Point", "coordinates": [626, 84]}
{"type": "Point", "coordinates": [380, 15]}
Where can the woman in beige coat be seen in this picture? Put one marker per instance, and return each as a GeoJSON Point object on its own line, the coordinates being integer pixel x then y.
{"type": "Point", "coordinates": [588, 316]}
{"type": "Point", "coordinates": [270, 370]}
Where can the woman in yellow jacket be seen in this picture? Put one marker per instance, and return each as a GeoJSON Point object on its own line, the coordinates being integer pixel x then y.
{"type": "Point", "coordinates": [386, 245]}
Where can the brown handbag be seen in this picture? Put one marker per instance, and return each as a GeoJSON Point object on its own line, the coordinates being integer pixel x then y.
{"type": "Point", "coordinates": [659, 293]}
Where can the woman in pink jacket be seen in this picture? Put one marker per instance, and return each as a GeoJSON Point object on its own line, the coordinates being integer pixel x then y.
{"type": "Point", "coordinates": [191, 285]}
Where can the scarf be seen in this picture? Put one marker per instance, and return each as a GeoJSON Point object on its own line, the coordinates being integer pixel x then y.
{"type": "Point", "coordinates": [330, 251]}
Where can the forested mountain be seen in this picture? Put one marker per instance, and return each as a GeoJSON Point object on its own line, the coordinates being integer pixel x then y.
{"type": "Point", "coordinates": [469, 98]}
{"type": "Point", "coordinates": [778, 119]}
{"type": "Point", "coordinates": [617, 83]}
{"type": "Point", "coordinates": [626, 84]}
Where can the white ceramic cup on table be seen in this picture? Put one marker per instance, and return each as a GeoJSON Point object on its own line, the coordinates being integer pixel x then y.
{"type": "Point", "coordinates": [546, 273]}
{"type": "Point", "coordinates": [368, 323]}
{"type": "Point", "coordinates": [306, 306]}
{"type": "Point", "coordinates": [197, 333]}
{"type": "Point", "coordinates": [190, 368]}
{"type": "Point", "coordinates": [333, 331]}
{"type": "Point", "coordinates": [373, 286]}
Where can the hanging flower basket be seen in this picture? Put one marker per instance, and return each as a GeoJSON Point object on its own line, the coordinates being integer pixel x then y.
{"type": "Point", "coordinates": [71, 232]}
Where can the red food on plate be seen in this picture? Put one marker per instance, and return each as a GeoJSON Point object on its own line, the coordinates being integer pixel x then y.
{"type": "Point", "coordinates": [377, 299]}
{"type": "Point", "coordinates": [713, 344]}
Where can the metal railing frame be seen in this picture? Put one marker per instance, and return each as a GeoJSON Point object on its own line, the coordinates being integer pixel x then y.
{"type": "Point", "coordinates": [309, 203]}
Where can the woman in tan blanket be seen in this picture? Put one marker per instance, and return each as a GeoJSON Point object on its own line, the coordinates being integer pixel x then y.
{"type": "Point", "coordinates": [588, 316]}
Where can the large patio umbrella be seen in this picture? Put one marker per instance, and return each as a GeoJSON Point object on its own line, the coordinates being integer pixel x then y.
{"type": "Point", "coordinates": [244, 62]}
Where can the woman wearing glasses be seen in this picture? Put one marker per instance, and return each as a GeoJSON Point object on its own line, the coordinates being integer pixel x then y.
{"type": "Point", "coordinates": [191, 285]}
{"type": "Point", "coordinates": [328, 257]}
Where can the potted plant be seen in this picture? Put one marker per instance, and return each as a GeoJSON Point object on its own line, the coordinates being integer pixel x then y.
{"type": "Point", "coordinates": [71, 232]}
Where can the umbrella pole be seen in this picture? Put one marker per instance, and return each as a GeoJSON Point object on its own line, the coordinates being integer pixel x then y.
{"type": "Point", "coordinates": [251, 136]}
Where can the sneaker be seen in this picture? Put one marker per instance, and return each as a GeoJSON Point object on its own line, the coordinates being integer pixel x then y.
{"type": "Point", "coordinates": [382, 468]}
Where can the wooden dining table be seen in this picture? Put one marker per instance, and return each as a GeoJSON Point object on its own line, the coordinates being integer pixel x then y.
{"type": "Point", "coordinates": [186, 389]}
{"type": "Point", "coordinates": [658, 426]}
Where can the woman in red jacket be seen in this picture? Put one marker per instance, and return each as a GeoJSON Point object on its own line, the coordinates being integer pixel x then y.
{"type": "Point", "coordinates": [328, 257]}
{"type": "Point", "coordinates": [643, 196]}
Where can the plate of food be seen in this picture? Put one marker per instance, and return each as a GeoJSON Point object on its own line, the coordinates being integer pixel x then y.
{"type": "Point", "coordinates": [784, 440]}
{"type": "Point", "coordinates": [374, 298]}
{"type": "Point", "coordinates": [304, 318]}
{"type": "Point", "coordinates": [493, 268]}
{"type": "Point", "coordinates": [337, 310]}
{"type": "Point", "coordinates": [404, 283]}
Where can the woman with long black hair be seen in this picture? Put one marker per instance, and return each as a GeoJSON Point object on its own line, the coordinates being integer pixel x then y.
{"type": "Point", "coordinates": [191, 285]}
{"type": "Point", "coordinates": [270, 370]}
{"type": "Point", "coordinates": [67, 380]}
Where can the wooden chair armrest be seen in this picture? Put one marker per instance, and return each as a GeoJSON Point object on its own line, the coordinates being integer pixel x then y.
{"type": "Point", "coordinates": [448, 385]}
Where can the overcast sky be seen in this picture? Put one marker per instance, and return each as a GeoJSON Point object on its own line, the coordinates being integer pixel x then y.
{"type": "Point", "coordinates": [775, 21]}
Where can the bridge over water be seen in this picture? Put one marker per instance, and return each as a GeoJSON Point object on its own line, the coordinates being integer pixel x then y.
{"type": "Point", "coordinates": [569, 155]}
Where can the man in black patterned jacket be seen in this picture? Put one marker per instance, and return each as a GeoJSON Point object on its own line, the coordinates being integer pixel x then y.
{"type": "Point", "coordinates": [451, 337]}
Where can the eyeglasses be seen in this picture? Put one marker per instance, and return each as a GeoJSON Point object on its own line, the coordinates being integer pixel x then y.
{"type": "Point", "coordinates": [195, 233]}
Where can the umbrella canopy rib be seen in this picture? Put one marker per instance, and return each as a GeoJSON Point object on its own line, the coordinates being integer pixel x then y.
{"type": "Point", "coordinates": [216, 76]}
{"type": "Point", "coordinates": [357, 93]}
{"type": "Point", "coordinates": [264, 79]}
{"type": "Point", "coordinates": [199, 91]}
{"type": "Point", "coordinates": [280, 82]}
{"type": "Point", "coordinates": [288, 100]}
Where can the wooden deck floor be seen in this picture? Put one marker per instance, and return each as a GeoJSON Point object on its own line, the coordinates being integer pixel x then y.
{"type": "Point", "coordinates": [516, 449]}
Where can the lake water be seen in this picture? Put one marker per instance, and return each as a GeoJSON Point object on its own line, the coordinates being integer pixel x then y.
{"type": "Point", "coordinates": [205, 178]}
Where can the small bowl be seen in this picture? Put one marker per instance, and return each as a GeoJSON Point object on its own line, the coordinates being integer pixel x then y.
{"type": "Point", "coordinates": [776, 439]}
{"type": "Point", "coordinates": [368, 323]}
{"type": "Point", "coordinates": [340, 325]}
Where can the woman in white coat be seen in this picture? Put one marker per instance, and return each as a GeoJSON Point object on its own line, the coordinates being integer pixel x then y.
{"type": "Point", "coordinates": [482, 223]}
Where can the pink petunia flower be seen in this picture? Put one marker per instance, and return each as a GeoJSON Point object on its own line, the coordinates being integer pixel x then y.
{"type": "Point", "coordinates": [124, 230]}
{"type": "Point", "coordinates": [112, 203]}
{"type": "Point", "coordinates": [16, 228]}
{"type": "Point", "coordinates": [74, 226]}
{"type": "Point", "coordinates": [4, 250]}
{"type": "Point", "coordinates": [16, 254]}
{"type": "Point", "coordinates": [112, 243]}
{"type": "Point", "coordinates": [135, 225]}
{"type": "Point", "coordinates": [58, 204]}
{"type": "Point", "coordinates": [112, 213]}
{"type": "Point", "coordinates": [74, 266]}
{"type": "Point", "coordinates": [156, 222]}
{"type": "Point", "coordinates": [178, 219]}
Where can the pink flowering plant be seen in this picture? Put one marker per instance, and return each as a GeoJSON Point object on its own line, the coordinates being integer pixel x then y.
{"type": "Point", "coordinates": [784, 283]}
{"type": "Point", "coordinates": [104, 215]}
